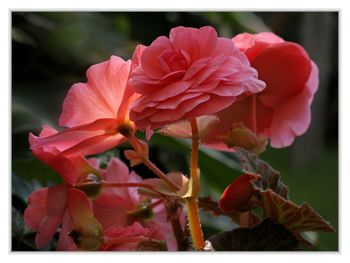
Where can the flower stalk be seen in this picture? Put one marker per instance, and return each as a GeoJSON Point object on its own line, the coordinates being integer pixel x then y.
{"type": "Point", "coordinates": [142, 150]}
{"type": "Point", "coordinates": [192, 202]}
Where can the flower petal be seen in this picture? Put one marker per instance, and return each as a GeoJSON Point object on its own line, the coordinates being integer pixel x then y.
{"type": "Point", "coordinates": [285, 68]}
{"type": "Point", "coordinates": [100, 97]}
{"type": "Point", "coordinates": [45, 211]}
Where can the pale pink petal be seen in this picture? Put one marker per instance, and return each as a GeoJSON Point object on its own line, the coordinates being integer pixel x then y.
{"type": "Point", "coordinates": [100, 97]}
{"type": "Point", "coordinates": [245, 41]}
{"type": "Point", "coordinates": [118, 172]}
{"type": "Point", "coordinates": [95, 144]}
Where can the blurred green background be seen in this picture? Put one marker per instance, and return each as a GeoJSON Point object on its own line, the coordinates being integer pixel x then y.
{"type": "Point", "coordinates": [52, 50]}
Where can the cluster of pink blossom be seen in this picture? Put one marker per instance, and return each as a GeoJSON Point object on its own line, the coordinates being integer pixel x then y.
{"type": "Point", "coordinates": [219, 92]}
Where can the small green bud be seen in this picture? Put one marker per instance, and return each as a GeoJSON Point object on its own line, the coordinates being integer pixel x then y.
{"type": "Point", "coordinates": [90, 185]}
{"type": "Point", "coordinates": [141, 212]}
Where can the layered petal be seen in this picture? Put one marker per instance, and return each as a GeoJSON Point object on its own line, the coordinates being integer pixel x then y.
{"type": "Point", "coordinates": [190, 74]}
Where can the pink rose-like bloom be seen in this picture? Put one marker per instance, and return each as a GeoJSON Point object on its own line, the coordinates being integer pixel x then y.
{"type": "Point", "coordinates": [192, 73]}
{"type": "Point", "coordinates": [281, 111]}
{"type": "Point", "coordinates": [94, 111]}
{"type": "Point", "coordinates": [114, 206]}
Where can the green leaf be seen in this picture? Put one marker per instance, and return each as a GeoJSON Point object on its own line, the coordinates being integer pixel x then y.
{"type": "Point", "coordinates": [266, 236]}
{"type": "Point", "coordinates": [293, 217]}
{"type": "Point", "coordinates": [270, 178]}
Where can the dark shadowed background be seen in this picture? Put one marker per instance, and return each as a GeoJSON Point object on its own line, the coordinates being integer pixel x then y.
{"type": "Point", "coordinates": [52, 50]}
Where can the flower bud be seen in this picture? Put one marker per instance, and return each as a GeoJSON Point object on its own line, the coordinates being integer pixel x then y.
{"type": "Point", "coordinates": [90, 184]}
{"type": "Point", "coordinates": [236, 197]}
{"type": "Point", "coordinates": [240, 136]}
{"type": "Point", "coordinates": [142, 211]}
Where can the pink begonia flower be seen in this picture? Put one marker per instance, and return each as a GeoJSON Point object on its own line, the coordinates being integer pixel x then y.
{"type": "Point", "coordinates": [126, 238]}
{"type": "Point", "coordinates": [69, 168]}
{"type": "Point", "coordinates": [47, 207]}
{"type": "Point", "coordinates": [52, 206]}
{"type": "Point", "coordinates": [113, 206]}
{"type": "Point", "coordinates": [192, 73]}
{"type": "Point", "coordinates": [94, 111]}
{"type": "Point", "coordinates": [281, 111]}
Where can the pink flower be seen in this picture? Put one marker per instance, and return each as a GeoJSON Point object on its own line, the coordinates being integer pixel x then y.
{"type": "Point", "coordinates": [121, 207]}
{"type": "Point", "coordinates": [126, 238]}
{"type": "Point", "coordinates": [281, 111]}
{"type": "Point", "coordinates": [192, 73]}
{"type": "Point", "coordinates": [48, 207]}
{"type": "Point", "coordinates": [45, 212]}
{"type": "Point", "coordinates": [94, 112]}
{"type": "Point", "coordinates": [69, 168]}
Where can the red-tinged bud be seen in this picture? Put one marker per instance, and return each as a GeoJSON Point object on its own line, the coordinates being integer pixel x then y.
{"type": "Point", "coordinates": [139, 153]}
{"type": "Point", "coordinates": [240, 136]}
{"type": "Point", "coordinates": [237, 195]}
